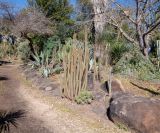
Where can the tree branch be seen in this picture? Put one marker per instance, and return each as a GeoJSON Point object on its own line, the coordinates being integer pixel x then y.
{"type": "Point", "coordinates": [113, 23]}
{"type": "Point", "coordinates": [127, 15]}
{"type": "Point", "coordinates": [157, 23]}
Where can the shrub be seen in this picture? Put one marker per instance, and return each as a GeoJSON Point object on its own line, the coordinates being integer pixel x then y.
{"type": "Point", "coordinates": [24, 51]}
{"type": "Point", "coordinates": [85, 97]}
{"type": "Point", "coordinates": [7, 50]}
{"type": "Point", "coordinates": [117, 50]}
{"type": "Point", "coordinates": [135, 64]}
{"type": "Point", "coordinates": [52, 45]}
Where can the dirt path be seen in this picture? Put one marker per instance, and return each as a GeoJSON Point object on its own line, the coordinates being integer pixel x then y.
{"type": "Point", "coordinates": [42, 117]}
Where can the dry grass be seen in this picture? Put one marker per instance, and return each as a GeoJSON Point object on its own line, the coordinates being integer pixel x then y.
{"type": "Point", "coordinates": [140, 88]}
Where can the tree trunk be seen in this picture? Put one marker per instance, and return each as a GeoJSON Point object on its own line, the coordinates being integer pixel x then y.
{"type": "Point", "coordinates": [143, 46]}
{"type": "Point", "coordinates": [30, 44]}
{"type": "Point", "coordinates": [146, 39]}
{"type": "Point", "coordinates": [99, 8]}
{"type": "Point", "coordinates": [142, 40]}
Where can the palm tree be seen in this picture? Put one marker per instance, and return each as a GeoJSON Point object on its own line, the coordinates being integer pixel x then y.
{"type": "Point", "coordinates": [9, 118]}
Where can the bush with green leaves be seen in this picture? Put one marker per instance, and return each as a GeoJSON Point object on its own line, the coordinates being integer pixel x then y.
{"type": "Point", "coordinates": [24, 51]}
{"type": "Point", "coordinates": [117, 50]}
{"type": "Point", "coordinates": [38, 42]}
{"type": "Point", "coordinates": [135, 64]}
{"type": "Point", "coordinates": [85, 97]}
{"type": "Point", "coordinates": [52, 45]}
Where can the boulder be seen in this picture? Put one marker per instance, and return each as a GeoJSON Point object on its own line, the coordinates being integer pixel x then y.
{"type": "Point", "coordinates": [139, 113]}
{"type": "Point", "coordinates": [116, 86]}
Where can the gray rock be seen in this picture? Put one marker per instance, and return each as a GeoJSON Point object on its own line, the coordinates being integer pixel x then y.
{"type": "Point", "coordinates": [139, 113]}
{"type": "Point", "coordinates": [116, 86]}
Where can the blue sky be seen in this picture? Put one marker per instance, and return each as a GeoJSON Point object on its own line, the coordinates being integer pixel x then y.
{"type": "Point", "coordinates": [18, 3]}
{"type": "Point", "coordinates": [22, 3]}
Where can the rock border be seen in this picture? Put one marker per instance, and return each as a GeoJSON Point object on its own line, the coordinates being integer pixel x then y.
{"type": "Point", "coordinates": [39, 82]}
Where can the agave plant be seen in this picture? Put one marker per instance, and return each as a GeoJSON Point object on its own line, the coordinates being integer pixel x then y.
{"type": "Point", "coordinates": [41, 60]}
{"type": "Point", "coordinates": [9, 118]}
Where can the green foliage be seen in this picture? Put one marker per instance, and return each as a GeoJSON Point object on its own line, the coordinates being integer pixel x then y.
{"type": "Point", "coordinates": [109, 35]}
{"type": "Point", "coordinates": [52, 44]}
{"type": "Point", "coordinates": [24, 51]}
{"type": "Point", "coordinates": [85, 97]}
{"type": "Point", "coordinates": [64, 31]}
{"type": "Point", "coordinates": [57, 10]}
{"type": "Point", "coordinates": [50, 54]}
{"type": "Point", "coordinates": [117, 50]}
{"type": "Point", "coordinates": [135, 64]}
{"type": "Point", "coordinates": [38, 42]}
{"type": "Point", "coordinates": [41, 60]}
{"type": "Point", "coordinates": [118, 44]}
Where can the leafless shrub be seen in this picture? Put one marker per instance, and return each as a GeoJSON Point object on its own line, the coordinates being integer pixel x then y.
{"type": "Point", "coordinates": [6, 16]}
{"type": "Point", "coordinates": [31, 21]}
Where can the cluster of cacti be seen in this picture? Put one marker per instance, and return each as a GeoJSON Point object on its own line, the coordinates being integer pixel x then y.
{"type": "Point", "coordinates": [75, 64]}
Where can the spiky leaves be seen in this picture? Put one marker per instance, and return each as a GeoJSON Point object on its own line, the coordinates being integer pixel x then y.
{"type": "Point", "coordinates": [9, 118]}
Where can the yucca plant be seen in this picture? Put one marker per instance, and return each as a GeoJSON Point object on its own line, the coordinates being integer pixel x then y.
{"type": "Point", "coordinates": [117, 51]}
{"type": "Point", "coordinates": [37, 59]}
{"type": "Point", "coordinates": [9, 118]}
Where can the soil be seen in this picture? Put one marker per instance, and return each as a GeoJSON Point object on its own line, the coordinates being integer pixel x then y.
{"type": "Point", "coordinates": [45, 113]}
{"type": "Point", "coordinates": [139, 87]}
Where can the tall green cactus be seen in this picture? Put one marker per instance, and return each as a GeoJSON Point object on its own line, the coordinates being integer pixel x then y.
{"type": "Point", "coordinates": [75, 76]}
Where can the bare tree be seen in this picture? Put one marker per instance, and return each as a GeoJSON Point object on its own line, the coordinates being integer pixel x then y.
{"type": "Point", "coordinates": [6, 15]}
{"type": "Point", "coordinates": [143, 18]}
{"type": "Point", "coordinates": [7, 10]}
{"type": "Point", "coordinates": [31, 21]}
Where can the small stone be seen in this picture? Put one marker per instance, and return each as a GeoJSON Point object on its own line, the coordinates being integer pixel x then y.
{"type": "Point", "coordinates": [49, 88]}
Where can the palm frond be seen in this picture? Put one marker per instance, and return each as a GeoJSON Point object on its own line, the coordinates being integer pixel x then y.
{"type": "Point", "coordinates": [9, 118]}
